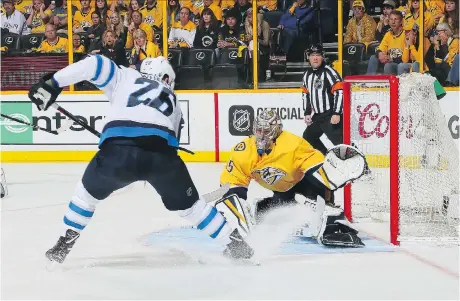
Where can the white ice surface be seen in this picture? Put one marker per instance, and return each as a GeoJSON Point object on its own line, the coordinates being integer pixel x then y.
{"type": "Point", "coordinates": [108, 262]}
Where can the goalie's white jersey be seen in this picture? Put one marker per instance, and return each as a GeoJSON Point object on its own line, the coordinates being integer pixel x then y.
{"type": "Point", "coordinates": [139, 106]}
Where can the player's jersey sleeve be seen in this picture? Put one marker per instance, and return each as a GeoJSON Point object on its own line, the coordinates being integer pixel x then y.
{"type": "Point", "coordinates": [307, 157]}
{"type": "Point", "coordinates": [237, 172]}
{"type": "Point", "coordinates": [98, 69]}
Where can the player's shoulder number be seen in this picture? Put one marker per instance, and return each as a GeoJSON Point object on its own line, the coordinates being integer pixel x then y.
{"type": "Point", "coordinates": [240, 147]}
{"type": "Point", "coordinates": [153, 94]}
{"type": "Point", "coordinates": [230, 166]}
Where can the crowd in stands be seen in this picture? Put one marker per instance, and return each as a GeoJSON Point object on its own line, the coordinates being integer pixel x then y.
{"type": "Point", "coordinates": [135, 27]}
{"type": "Point", "coordinates": [391, 41]}
{"type": "Point", "coordinates": [380, 36]}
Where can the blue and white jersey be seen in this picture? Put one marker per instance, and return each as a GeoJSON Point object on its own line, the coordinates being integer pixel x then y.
{"type": "Point", "coordinates": [139, 106]}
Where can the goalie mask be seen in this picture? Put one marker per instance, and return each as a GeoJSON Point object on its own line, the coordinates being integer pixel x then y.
{"type": "Point", "coordinates": [159, 69]}
{"type": "Point", "coordinates": [267, 127]}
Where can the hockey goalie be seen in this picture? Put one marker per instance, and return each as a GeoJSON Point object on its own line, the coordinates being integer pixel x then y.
{"type": "Point", "coordinates": [296, 173]}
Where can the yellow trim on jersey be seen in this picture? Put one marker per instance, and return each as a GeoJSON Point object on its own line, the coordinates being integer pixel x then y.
{"type": "Point", "coordinates": [234, 210]}
{"type": "Point", "coordinates": [189, 26]}
{"type": "Point", "coordinates": [323, 176]}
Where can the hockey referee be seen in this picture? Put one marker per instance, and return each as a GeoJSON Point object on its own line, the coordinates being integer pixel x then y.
{"type": "Point", "coordinates": [322, 102]}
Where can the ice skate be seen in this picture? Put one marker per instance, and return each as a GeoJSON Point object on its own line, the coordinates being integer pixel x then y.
{"type": "Point", "coordinates": [238, 248]}
{"type": "Point", "coordinates": [63, 246]}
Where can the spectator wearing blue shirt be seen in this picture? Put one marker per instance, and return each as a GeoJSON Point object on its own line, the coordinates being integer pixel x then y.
{"type": "Point", "coordinates": [295, 23]}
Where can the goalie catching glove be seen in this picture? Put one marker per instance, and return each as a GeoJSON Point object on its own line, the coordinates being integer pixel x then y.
{"type": "Point", "coordinates": [44, 93]}
{"type": "Point", "coordinates": [342, 165]}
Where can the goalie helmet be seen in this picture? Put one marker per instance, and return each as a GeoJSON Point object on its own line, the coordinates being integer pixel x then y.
{"type": "Point", "coordinates": [267, 127]}
{"type": "Point", "coordinates": [159, 69]}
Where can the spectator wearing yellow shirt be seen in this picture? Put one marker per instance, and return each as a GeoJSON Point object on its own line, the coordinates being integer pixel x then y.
{"type": "Point", "coordinates": [193, 5]}
{"type": "Point", "coordinates": [267, 5]}
{"type": "Point", "coordinates": [389, 53]}
{"type": "Point", "coordinates": [442, 52]}
{"type": "Point", "coordinates": [436, 8]}
{"type": "Point", "coordinates": [412, 17]}
{"type": "Point", "coordinates": [361, 28]}
{"type": "Point", "coordinates": [53, 43]}
{"type": "Point", "coordinates": [152, 14]}
{"type": "Point", "coordinates": [214, 7]}
{"type": "Point", "coordinates": [173, 12]}
{"type": "Point", "coordinates": [227, 4]}
{"type": "Point", "coordinates": [38, 17]}
{"type": "Point", "coordinates": [451, 16]}
{"type": "Point", "coordinates": [142, 49]}
{"type": "Point", "coordinates": [411, 52]}
{"type": "Point", "coordinates": [77, 46]}
{"type": "Point", "coordinates": [138, 24]}
{"type": "Point", "coordinates": [404, 9]}
{"type": "Point", "coordinates": [182, 33]}
{"type": "Point", "coordinates": [24, 6]}
{"type": "Point", "coordinates": [82, 17]}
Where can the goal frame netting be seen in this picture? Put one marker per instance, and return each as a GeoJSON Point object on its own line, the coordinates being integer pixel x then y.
{"type": "Point", "coordinates": [393, 82]}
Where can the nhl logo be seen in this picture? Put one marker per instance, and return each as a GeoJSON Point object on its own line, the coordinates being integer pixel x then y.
{"type": "Point", "coordinates": [318, 84]}
{"type": "Point", "coordinates": [240, 120]}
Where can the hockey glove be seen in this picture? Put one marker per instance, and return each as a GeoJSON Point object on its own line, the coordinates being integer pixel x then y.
{"type": "Point", "coordinates": [44, 93]}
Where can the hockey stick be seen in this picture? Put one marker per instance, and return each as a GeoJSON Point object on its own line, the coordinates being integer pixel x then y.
{"type": "Point", "coordinates": [216, 194]}
{"type": "Point", "coordinates": [92, 130]}
{"type": "Point", "coordinates": [36, 127]}
{"type": "Point", "coordinates": [75, 119]}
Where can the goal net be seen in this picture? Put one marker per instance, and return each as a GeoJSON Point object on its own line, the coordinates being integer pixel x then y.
{"type": "Point", "coordinates": [413, 176]}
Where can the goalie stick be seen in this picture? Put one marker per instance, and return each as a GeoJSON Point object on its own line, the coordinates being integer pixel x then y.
{"type": "Point", "coordinates": [91, 129]}
{"type": "Point", "coordinates": [58, 131]}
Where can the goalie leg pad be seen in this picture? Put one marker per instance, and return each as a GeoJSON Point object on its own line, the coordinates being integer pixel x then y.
{"type": "Point", "coordinates": [236, 213]}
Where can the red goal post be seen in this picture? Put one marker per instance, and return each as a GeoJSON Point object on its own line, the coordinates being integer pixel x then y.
{"type": "Point", "coordinates": [393, 83]}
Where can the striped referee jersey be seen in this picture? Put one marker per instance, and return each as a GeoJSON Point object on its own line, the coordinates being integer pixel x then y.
{"type": "Point", "coordinates": [322, 91]}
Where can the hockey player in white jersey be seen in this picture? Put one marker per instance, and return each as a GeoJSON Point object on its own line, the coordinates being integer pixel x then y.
{"type": "Point", "coordinates": [138, 143]}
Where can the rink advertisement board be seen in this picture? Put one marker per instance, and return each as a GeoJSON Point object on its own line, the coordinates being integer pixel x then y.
{"type": "Point", "coordinates": [237, 112]}
{"type": "Point", "coordinates": [196, 134]}
{"type": "Point", "coordinates": [233, 122]}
